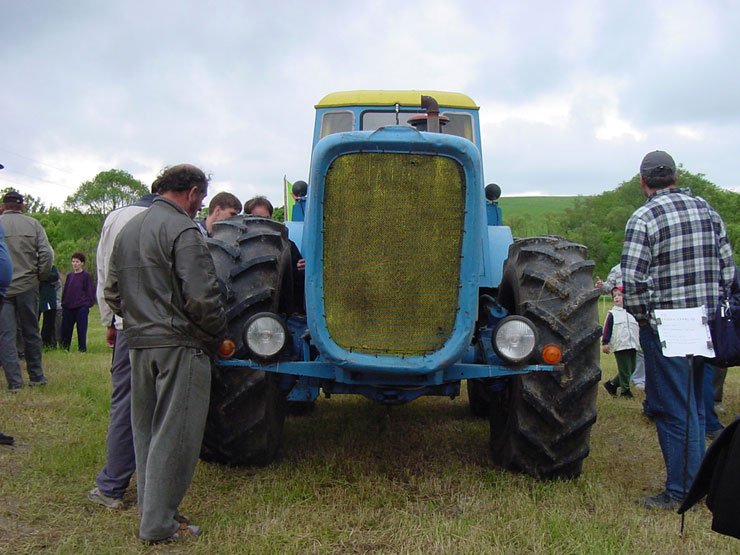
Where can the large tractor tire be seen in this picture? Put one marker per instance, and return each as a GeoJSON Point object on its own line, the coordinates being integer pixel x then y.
{"type": "Point", "coordinates": [541, 422]}
{"type": "Point", "coordinates": [247, 410]}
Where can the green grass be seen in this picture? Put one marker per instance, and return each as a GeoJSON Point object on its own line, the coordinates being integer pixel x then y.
{"type": "Point", "coordinates": [354, 477]}
{"type": "Point", "coordinates": [528, 216]}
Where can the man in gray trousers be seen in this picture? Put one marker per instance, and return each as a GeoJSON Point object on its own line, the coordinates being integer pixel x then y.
{"type": "Point", "coordinates": [162, 281]}
{"type": "Point", "coordinates": [120, 461]}
{"type": "Point", "coordinates": [32, 258]}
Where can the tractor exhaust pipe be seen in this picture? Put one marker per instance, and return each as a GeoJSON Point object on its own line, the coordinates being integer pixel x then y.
{"type": "Point", "coordinates": [431, 106]}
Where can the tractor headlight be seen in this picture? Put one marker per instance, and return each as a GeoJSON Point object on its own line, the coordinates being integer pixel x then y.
{"type": "Point", "coordinates": [515, 339]}
{"type": "Point", "coordinates": [265, 335]}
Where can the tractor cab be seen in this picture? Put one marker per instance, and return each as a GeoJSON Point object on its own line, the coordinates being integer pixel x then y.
{"type": "Point", "coordinates": [341, 112]}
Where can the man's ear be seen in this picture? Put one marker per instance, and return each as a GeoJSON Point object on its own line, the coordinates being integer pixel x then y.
{"type": "Point", "coordinates": [643, 187]}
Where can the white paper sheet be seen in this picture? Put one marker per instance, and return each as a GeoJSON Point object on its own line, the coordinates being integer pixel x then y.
{"type": "Point", "coordinates": [684, 331]}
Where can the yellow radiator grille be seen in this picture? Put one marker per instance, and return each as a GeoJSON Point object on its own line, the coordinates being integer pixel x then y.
{"type": "Point", "coordinates": [393, 226]}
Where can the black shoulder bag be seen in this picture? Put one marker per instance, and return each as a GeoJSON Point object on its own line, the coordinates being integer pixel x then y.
{"type": "Point", "coordinates": [726, 328]}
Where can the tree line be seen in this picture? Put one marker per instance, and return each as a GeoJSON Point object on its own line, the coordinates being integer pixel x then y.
{"type": "Point", "coordinates": [596, 221]}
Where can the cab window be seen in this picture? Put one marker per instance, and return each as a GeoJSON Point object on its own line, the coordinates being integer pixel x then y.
{"type": "Point", "coordinates": [336, 122]}
{"type": "Point", "coordinates": [460, 125]}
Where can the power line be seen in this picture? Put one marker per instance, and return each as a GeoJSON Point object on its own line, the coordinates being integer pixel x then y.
{"type": "Point", "coordinates": [34, 160]}
{"type": "Point", "coordinates": [56, 183]}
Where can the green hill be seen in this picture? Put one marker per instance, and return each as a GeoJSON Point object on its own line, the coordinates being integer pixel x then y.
{"type": "Point", "coordinates": [533, 215]}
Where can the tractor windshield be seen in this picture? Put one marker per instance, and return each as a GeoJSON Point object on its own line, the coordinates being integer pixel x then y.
{"type": "Point", "coordinates": [460, 124]}
{"type": "Point", "coordinates": [339, 121]}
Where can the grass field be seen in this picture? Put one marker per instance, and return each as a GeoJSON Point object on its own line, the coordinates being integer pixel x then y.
{"type": "Point", "coordinates": [353, 478]}
{"type": "Point", "coordinates": [528, 216]}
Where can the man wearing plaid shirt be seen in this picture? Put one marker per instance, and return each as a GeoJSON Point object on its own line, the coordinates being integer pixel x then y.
{"type": "Point", "coordinates": [676, 255]}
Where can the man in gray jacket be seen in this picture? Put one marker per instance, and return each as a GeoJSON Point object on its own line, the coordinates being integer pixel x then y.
{"type": "Point", "coordinates": [32, 258]}
{"type": "Point", "coordinates": [162, 281]}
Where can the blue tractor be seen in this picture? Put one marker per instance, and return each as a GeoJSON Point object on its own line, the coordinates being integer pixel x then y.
{"type": "Point", "coordinates": [412, 285]}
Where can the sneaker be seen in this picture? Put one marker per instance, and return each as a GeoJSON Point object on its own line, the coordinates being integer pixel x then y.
{"type": "Point", "coordinates": [6, 440]}
{"type": "Point", "coordinates": [719, 409]}
{"type": "Point", "coordinates": [627, 394]}
{"type": "Point", "coordinates": [14, 388]}
{"type": "Point", "coordinates": [40, 382]}
{"type": "Point", "coordinates": [184, 532]}
{"type": "Point", "coordinates": [661, 501]}
{"type": "Point", "coordinates": [611, 387]}
{"type": "Point", "coordinates": [99, 498]}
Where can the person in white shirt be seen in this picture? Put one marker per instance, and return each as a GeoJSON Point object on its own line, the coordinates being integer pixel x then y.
{"type": "Point", "coordinates": [621, 336]}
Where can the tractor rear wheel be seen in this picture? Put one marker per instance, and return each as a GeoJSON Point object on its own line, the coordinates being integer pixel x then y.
{"type": "Point", "coordinates": [247, 409]}
{"type": "Point", "coordinates": [541, 422]}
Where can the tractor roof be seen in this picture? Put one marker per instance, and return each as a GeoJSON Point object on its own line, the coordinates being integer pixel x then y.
{"type": "Point", "coordinates": [390, 98]}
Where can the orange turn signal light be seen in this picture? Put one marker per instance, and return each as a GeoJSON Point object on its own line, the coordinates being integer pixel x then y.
{"type": "Point", "coordinates": [551, 354]}
{"type": "Point", "coordinates": [227, 348]}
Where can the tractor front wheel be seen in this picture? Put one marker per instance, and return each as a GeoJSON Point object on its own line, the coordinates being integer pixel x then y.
{"type": "Point", "coordinates": [541, 422]}
{"type": "Point", "coordinates": [247, 409]}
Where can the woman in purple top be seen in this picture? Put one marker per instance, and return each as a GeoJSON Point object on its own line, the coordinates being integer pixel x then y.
{"type": "Point", "coordinates": [77, 298]}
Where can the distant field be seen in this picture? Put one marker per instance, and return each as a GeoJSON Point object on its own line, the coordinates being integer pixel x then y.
{"type": "Point", "coordinates": [526, 215]}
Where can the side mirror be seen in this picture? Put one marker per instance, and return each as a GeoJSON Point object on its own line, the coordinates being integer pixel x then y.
{"type": "Point", "coordinates": [300, 188]}
{"type": "Point", "coordinates": [493, 192]}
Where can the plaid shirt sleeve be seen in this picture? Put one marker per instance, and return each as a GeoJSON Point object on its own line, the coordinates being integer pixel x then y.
{"type": "Point", "coordinates": [636, 259]}
{"type": "Point", "coordinates": [614, 279]}
{"type": "Point", "coordinates": [724, 249]}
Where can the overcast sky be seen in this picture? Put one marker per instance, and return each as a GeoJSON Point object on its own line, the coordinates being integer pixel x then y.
{"type": "Point", "coordinates": [572, 94]}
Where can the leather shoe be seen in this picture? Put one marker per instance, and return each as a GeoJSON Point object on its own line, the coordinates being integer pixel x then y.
{"type": "Point", "coordinates": [611, 387]}
{"type": "Point", "coordinates": [661, 501]}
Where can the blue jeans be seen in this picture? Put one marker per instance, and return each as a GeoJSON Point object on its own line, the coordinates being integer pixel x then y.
{"type": "Point", "coordinates": [675, 396]}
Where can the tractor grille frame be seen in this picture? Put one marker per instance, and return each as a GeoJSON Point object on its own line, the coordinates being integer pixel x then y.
{"type": "Point", "coordinates": [393, 229]}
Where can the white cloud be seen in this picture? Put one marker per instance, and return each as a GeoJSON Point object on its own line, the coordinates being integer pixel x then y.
{"type": "Point", "coordinates": [615, 127]}
{"type": "Point", "coordinates": [572, 95]}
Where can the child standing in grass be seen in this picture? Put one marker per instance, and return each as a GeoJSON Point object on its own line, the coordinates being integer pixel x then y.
{"type": "Point", "coordinates": [621, 337]}
{"type": "Point", "coordinates": [77, 298]}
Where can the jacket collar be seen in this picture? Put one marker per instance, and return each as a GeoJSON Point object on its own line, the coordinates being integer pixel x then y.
{"type": "Point", "coordinates": [172, 203]}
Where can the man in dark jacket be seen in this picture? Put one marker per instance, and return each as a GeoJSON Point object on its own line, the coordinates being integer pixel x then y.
{"type": "Point", "coordinates": [162, 281]}
{"type": "Point", "coordinates": [48, 307]}
{"type": "Point", "coordinates": [718, 478]}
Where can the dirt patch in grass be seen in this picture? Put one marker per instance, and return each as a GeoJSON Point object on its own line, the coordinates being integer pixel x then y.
{"type": "Point", "coordinates": [19, 536]}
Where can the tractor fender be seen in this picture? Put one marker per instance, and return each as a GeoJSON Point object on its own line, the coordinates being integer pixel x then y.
{"type": "Point", "coordinates": [295, 233]}
{"type": "Point", "coordinates": [499, 238]}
